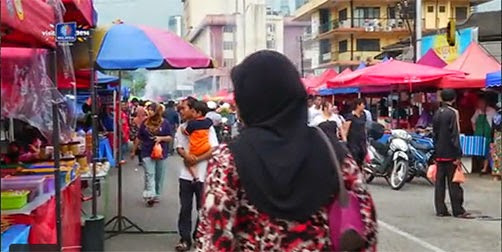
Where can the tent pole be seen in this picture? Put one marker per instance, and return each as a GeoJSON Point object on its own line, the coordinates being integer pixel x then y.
{"type": "Point", "coordinates": [95, 136]}
{"type": "Point", "coordinates": [57, 156]}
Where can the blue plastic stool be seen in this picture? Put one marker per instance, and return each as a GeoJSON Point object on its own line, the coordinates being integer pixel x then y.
{"type": "Point", "coordinates": [106, 150]}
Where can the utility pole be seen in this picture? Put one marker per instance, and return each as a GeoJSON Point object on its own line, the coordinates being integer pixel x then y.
{"type": "Point", "coordinates": [418, 30]}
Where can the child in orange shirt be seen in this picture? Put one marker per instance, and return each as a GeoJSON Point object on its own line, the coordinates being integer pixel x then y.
{"type": "Point", "coordinates": [197, 131]}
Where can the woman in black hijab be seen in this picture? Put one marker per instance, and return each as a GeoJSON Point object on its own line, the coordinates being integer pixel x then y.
{"type": "Point", "coordinates": [269, 190]}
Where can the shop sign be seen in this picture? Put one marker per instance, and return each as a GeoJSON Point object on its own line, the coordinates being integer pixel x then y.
{"type": "Point", "coordinates": [66, 32]}
{"type": "Point", "coordinates": [67, 35]}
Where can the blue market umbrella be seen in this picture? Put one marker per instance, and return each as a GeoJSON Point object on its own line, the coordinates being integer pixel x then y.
{"type": "Point", "coordinates": [130, 47]}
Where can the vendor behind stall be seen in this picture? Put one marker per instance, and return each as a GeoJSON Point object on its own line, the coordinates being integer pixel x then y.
{"type": "Point", "coordinates": [482, 125]}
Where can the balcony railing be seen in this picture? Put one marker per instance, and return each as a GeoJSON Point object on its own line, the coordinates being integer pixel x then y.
{"type": "Point", "coordinates": [365, 24]}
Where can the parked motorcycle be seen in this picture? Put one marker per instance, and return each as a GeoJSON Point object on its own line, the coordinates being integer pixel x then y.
{"type": "Point", "coordinates": [389, 160]}
{"type": "Point", "coordinates": [421, 151]}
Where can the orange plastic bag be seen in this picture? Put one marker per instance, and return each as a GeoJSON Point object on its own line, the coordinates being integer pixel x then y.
{"type": "Point", "coordinates": [459, 177]}
{"type": "Point", "coordinates": [431, 172]}
{"type": "Point", "coordinates": [157, 152]}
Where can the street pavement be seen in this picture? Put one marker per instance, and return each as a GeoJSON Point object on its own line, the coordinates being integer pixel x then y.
{"type": "Point", "coordinates": [407, 221]}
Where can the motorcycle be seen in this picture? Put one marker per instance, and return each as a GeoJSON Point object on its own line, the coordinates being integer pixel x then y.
{"type": "Point", "coordinates": [389, 160]}
{"type": "Point", "coordinates": [421, 151]}
{"type": "Point", "coordinates": [226, 130]}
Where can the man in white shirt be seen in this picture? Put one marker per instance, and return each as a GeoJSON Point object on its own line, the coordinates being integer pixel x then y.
{"type": "Point", "coordinates": [315, 109]}
{"type": "Point", "coordinates": [188, 186]}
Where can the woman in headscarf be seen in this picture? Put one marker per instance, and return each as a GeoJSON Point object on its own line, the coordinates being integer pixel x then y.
{"type": "Point", "coordinates": [152, 131]}
{"type": "Point", "coordinates": [269, 190]}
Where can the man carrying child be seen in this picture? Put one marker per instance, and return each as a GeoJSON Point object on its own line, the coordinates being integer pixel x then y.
{"type": "Point", "coordinates": [192, 138]}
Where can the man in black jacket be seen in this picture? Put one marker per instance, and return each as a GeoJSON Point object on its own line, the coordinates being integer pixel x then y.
{"type": "Point", "coordinates": [447, 153]}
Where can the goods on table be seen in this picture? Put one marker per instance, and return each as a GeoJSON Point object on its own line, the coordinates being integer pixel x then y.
{"type": "Point", "coordinates": [101, 169]}
{"type": "Point", "coordinates": [82, 161]}
{"type": "Point", "coordinates": [34, 186]}
{"type": "Point", "coordinates": [14, 199]}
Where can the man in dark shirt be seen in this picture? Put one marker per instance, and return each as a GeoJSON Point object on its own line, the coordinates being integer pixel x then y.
{"type": "Point", "coordinates": [447, 154]}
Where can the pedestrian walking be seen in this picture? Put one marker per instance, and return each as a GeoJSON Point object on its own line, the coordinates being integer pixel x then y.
{"type": "Point", "coordinates": [448, 152]}
{"type": "Point", "coordinates": [356, 131]}
{"type": "Point", "coordinates": [189, 187]}
{"type": "Point", "coordinates": [269, 189]}
{"type": "Point", "coordinates": [154, 130]}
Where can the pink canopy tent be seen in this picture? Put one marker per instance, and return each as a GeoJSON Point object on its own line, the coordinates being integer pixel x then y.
{"type": "Point", "coordinates": [325, 83]}
{"type": "Point", "coordinates": [312, 84]}
{"type": "Point", "coordinates": [431, 58]}
{"type": "Point", "coordinates": [391, 72]}
{"type": "Point", "coordinates": [476, 63]}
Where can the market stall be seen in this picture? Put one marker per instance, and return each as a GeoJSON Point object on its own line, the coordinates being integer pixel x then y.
{"type": "Point", "coordinates": [43, 191]}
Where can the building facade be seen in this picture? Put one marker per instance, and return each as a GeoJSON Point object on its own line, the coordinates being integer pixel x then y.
{"type": "Point", "coordinates": [350, 31]}
{"type": "Point", "coordinates": [229, 37]}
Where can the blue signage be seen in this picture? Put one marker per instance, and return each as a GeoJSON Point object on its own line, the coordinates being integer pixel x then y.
{"type": "Point", "coordinates": [66, 32]}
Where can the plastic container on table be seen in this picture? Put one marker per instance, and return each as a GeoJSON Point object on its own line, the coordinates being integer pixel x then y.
{"type": "Point", "coordinates": [11, 200]}
{"type": "Point", "coordinates": [67, 173]}
{"type": "Point", "coordinates": [35, 186]}
{"type": "Point", "coordinates": [48, 181]}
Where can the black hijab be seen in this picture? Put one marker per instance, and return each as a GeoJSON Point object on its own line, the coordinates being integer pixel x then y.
{"type": "Point", "coordinates": [283, 164]}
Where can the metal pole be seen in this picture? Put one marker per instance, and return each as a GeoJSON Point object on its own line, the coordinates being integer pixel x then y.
{"type": "Point", "coordinates": [94, 111]}
{"type": "Point", "coordinates": [302, 70]}
{"type": "Point", "coordinates": [119, 151]}
{"type": "Point", "coordinates": [418, 30]}
{"type": "Point", "coordinates": [57, 158]}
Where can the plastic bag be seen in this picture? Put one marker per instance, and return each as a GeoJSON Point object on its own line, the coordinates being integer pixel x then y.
{"type": "Point", "coordinates": [157, 152]}
{"type": "Point", "coordinates": [459, 177]}
{"type": "Point", "coordinates": [431, 172]}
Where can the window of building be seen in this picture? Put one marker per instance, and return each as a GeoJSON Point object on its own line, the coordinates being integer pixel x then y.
{"type": "Point", "coordinates": [271, 28]}
{"type": "Point", "coordinates": [228, 45]}
{"type": "Point", "coordinates": [228, 62]}
{"type": "Point", "coordinates": [430, 9]}
{"type": "Point", "coordinates": [442, 9]}
{"type": "Point", "coordinates": [362, 14]}
{"type": "Point", "coordinates": [271, 44]}
{"type": "Point", "coordinates": [342, 15]}
{"type": "Point", "coordinates": [391, 12]}
{"type": "Point", "coordinates": [343, 46]}
{"type": "Point", "coordinates": [228, 28]}
{"type": "Point", "coordinates": [369, 45]}
{"type": "Point", "coordinates": [460, 13]}
{"type": "Point", "coordinates": [324, 46]}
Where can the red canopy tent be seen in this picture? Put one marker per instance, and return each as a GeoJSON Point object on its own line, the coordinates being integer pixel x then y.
{"type": "Point", "coordinates": [80, 11]}
{"type": "Point", "coordinates": [391, 72]}
{"type": "Point", "coordinates": [325, 83]}
{"type": "Point", "coordinates": [26, 23]}
{"type": "Point", "coordinates": [476, 63]}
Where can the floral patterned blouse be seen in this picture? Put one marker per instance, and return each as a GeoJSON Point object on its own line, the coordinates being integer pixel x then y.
{"type": "Point", "coordinates": [229, 222]}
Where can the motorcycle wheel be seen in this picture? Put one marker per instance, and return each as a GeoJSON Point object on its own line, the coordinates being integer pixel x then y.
{"type": "Point", "coordinates": [399, 174]}
{"type": "Point", "coordinates": [368, 174]}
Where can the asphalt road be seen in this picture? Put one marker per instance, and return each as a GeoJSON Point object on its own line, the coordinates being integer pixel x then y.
{"type": "Point", "coordinates": [406, 218]}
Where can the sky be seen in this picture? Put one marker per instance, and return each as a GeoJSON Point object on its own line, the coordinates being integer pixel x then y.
{"type": "Point", "coordinates": [153, 13]}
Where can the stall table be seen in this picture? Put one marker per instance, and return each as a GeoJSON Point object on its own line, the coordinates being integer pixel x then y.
{"type": "Point", "coordinates": [41, 216]}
